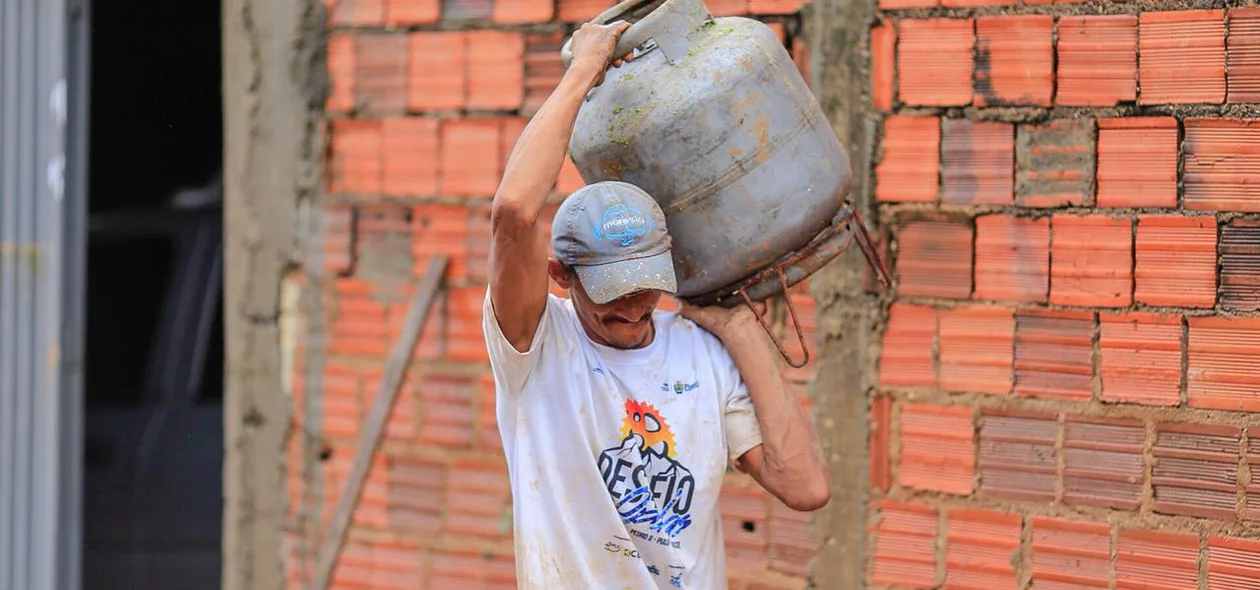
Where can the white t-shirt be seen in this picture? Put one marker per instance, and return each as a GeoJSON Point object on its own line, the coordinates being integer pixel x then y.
{"type": "Point", "coordinates": [616, 457]}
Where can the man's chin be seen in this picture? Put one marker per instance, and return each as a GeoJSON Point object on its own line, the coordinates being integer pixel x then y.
{"type": "Point", "coordinates": [625, 335]}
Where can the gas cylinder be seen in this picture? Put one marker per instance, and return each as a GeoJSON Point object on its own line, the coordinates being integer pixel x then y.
{"type": "Point", "coordinates": [713, 119]}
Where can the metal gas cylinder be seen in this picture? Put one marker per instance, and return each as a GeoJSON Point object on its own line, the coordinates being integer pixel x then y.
{"type": "Point", "coordinates": [714, 121]}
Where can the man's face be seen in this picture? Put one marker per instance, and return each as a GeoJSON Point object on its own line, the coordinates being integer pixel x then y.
{"type": "Point", "coordinates": [625, 322]}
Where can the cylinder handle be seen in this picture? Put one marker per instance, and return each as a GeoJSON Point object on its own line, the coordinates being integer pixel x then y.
{"type": "Point", "coordinates": [667, 23]}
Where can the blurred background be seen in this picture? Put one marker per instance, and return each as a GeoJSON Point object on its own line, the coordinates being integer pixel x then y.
{"type": "Point", "coordinates": [1059, 391]}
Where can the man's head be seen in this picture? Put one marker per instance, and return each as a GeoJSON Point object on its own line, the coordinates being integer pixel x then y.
{"type": "Point", "coordinates": [612, 252]}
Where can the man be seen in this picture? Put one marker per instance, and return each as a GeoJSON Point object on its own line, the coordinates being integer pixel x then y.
{"type": "Point", "coordinates": [618, 420]}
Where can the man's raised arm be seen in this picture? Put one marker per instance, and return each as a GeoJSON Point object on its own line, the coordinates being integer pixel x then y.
{"type": "Point", "coordinates": [519, 248]}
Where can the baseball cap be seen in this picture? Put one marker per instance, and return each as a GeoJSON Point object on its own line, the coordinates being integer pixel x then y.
{"type": "Point", "coordinates": [613, 235]}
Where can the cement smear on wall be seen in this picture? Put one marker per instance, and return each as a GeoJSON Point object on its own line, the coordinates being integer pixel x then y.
{"type": "Point", "coordinates": [274, 87]}
{"type": "Point", "coordinates": [837, 32]}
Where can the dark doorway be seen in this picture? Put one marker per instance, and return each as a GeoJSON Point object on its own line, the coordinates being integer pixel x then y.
{"type": "Point", "coordinates": [153, 386]}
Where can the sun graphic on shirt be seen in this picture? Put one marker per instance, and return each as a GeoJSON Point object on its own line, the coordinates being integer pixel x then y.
{"type": "Point", "coordinates": [646, 421]}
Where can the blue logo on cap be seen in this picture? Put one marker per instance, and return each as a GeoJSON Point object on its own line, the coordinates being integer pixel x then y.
{"type": "Point", "coordinates": [623, 224]}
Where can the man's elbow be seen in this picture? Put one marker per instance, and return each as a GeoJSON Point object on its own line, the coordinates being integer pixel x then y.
{"type": "Point", "coordinates": [811, 497]}
{"type": "Point", "coordinates": [505, 212]}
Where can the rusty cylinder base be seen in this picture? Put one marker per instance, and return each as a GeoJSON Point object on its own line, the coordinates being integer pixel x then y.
{"type": "Point", "coordinates": [798, 265]}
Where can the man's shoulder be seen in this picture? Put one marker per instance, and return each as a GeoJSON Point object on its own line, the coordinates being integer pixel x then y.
{"type": "Point", "coordinates": [553, 325]}
{"type": "Point", "coordinates": [560, 307]}
{"type": "Point", "coordinates": [562, 320]}
{"type": "Point", "coordinates": [680, 328]}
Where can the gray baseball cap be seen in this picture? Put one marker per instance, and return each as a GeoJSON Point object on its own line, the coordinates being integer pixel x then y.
{"type": "Point", "coordinates": [613, 235]}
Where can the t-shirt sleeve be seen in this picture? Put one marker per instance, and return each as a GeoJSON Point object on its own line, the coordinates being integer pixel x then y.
{"type": "Point", "coordinates": [512, 367]}
{"type": "Point", "coordinates": [740, 420]}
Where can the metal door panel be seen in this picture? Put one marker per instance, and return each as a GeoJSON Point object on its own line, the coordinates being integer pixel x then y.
{"type": "Point", "coordinates": [34, 441]}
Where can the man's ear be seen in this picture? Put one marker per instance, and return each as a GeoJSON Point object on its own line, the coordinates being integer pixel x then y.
{"type": "Point", "coordinates": [559, 273]}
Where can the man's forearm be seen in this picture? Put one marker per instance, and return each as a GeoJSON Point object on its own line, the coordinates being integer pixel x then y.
{"type": "Point", "coordinates": [792, 455]}
{"type": "Point", "coordinates": [536, 158]}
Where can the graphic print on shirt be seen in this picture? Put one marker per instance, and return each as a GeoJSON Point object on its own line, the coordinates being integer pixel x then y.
{"type": "Point", "coordinates": [648, 485]}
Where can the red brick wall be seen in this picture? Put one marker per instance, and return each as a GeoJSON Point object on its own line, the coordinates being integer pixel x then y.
{"type": "Point", "coordinates": [1068, 391]}
{"type": "Point", "coordinates": [427, 99]}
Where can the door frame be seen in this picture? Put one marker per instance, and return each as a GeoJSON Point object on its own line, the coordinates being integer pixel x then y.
{"type": "Point", "coordinates": [78, 42]}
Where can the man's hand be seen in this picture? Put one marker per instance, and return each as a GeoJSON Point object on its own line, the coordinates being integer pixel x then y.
{"type": "Point", "coordinates": [720, 321]}
{"type": "Point", "coordinates": [593, 45]}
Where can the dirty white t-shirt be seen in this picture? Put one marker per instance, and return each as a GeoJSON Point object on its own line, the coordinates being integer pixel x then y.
{"type": "Point", "coordinates": [616, 457]}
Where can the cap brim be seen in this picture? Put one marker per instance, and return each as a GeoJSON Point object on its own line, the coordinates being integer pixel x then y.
{"type": "Point", "coordinates": [606, 282]}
